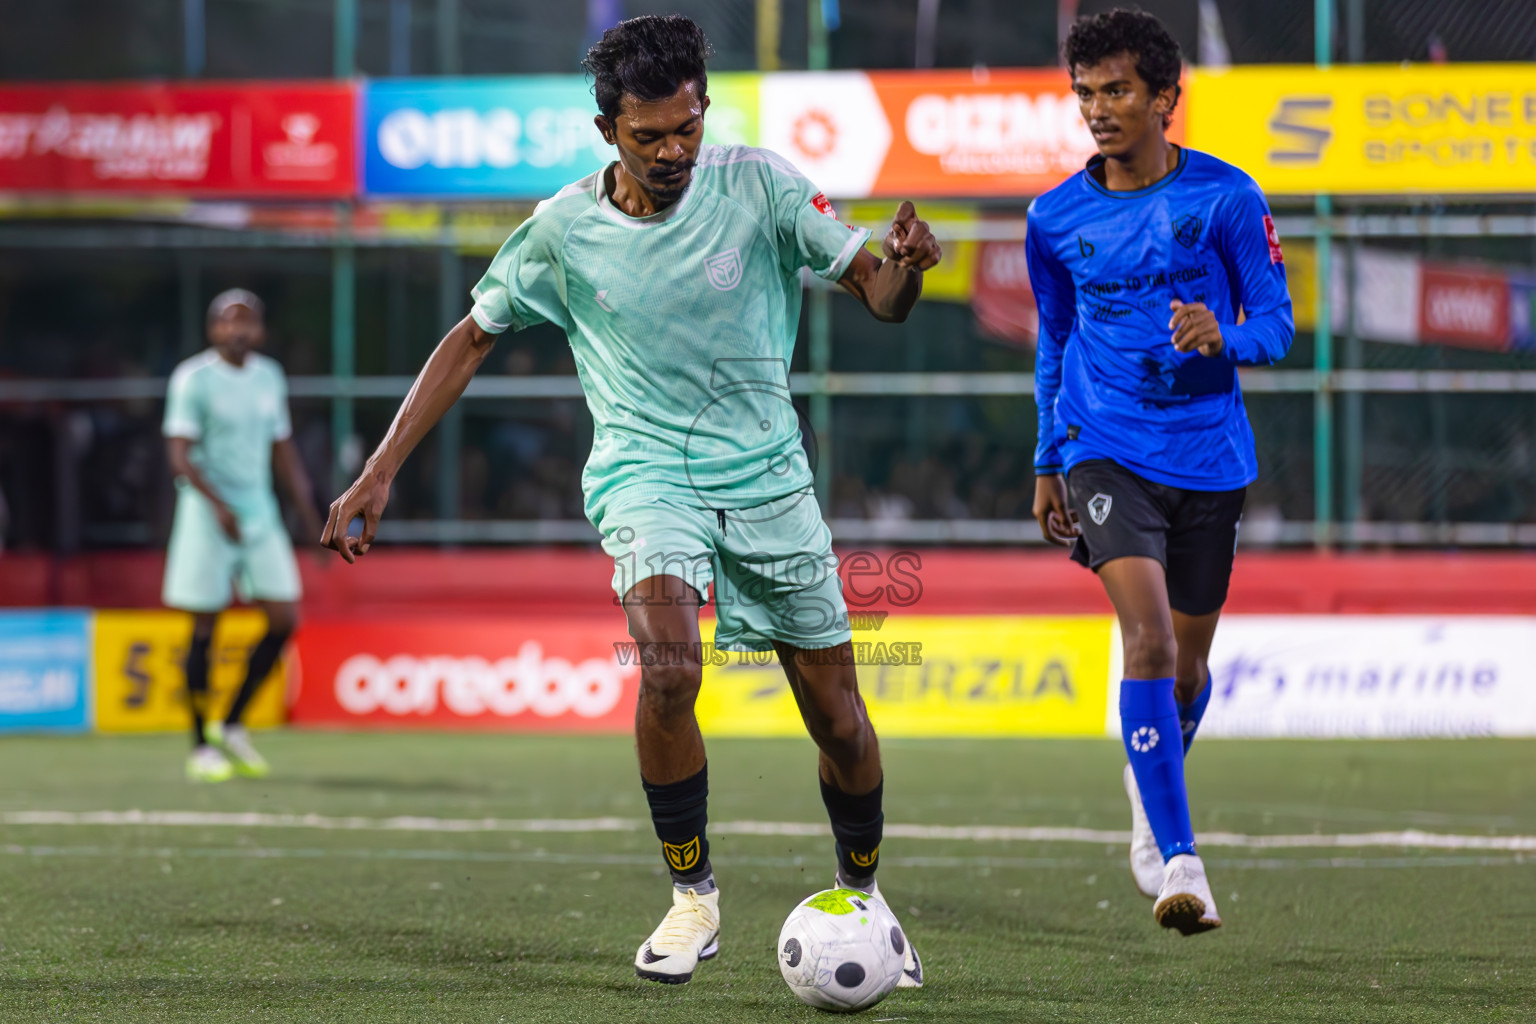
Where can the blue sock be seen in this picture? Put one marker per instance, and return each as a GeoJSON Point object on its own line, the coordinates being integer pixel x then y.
{"type": "Point", "coordinates": [1149, 723]}
{"type": "Point", "coordinates": [1191, 713]}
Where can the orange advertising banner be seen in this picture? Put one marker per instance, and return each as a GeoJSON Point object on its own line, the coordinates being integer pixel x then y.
{"type": "Point", "coordinates": [930, 133]}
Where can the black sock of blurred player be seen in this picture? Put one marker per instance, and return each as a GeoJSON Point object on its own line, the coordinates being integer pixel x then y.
{"type": "Point", "coordinates": [679, 812]}
{"type": "Point", "coordinates": [263, 657]}
{"type": "Point", "coordinates": [857, 824]}
{"type": "Point", "coordinates": [197, 684]}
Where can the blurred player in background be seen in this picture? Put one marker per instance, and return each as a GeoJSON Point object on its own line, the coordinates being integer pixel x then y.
{"type": "Point", "coordinates": [675, 273]}
{"type": "Point", "coordinates": [1158, 272]}
{"type": "Point", "coordinates": [226, 423]}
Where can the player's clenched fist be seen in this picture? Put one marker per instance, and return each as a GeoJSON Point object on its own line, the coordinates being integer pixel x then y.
{"type": "Point", "coordinates": [1195, 328]}
{"type": "Point", "coordinates": [367, 498]}
{"type": "Point", "coordinates": [910, 242]}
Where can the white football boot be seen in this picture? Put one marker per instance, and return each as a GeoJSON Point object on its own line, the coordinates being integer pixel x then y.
{"type": "Point", "coordinates": [235, 742]}
{"type": "Point", "coordinates": [912, 966]}
{"type": "Point", "coordinates": [1185, 901]}
{"type": "Point", "coordinates": [1146, 858]}
{"type": "Point", "coordinates": [689, 933]}
{"type": "Point", "coordinates": [208, 765]}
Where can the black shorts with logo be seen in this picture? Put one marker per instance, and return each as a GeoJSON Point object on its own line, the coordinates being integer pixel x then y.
{"type": "Point", "coordinates": [1192, 533]}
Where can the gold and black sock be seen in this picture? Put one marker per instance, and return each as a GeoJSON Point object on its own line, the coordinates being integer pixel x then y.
{"type": "Point", "coordinates": [263, 657]}
{"type": "Point", "coordinates": [197, 685]}
{"type": "Point", "coordinates": [857, 824]}
{"type": "Point", "coordinates": [679, 813]}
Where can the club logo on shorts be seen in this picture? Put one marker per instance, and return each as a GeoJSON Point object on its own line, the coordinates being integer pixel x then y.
{"type": "Point", "coordinates": [864, 860]}
{"type": "Point", "coordinates": [1144, 739]}
{"type": "Point", "coordinates": [724, 269]}
{"type": "Point", "coordinates": [1098, 508]}
{"type": "Point", "coordinates": [682, 857]}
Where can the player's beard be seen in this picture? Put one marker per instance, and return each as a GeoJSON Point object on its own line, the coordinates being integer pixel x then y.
{"type": "Point", "coordinates": [671, 189]}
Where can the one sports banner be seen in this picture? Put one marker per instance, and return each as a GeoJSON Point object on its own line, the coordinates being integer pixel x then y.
{"type": "Point", "coordinates": [511, 137]}
{"type": "Point", "coordinates": [1442, 128]}
{"type": "Point", "coordinates": [519, 675]}
{"type": "Point", "coordinates": [140, 670]}
{"type": "Point", "coordinates": [237, 139]}
{"type": "Point", "coordinates": [45, 659]}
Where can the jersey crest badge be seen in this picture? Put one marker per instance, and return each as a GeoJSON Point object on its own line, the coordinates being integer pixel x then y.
{"type": "Point", "coordinates": [1098, 508]}
{"type": "Point", "coordinates": [1186, 230]}
{"type": "Point", "coordinates": [724, 269]}
{"type": "Point", "coordinates": [1275, 255]}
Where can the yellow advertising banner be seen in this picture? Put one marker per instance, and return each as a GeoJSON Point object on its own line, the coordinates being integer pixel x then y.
{"type": "Point", "coordinates": [1371, 129]}
{"type": "Point", "coordinates": [141, 684]}
{"type": "Point", "coordinates": [951, 280]}
{"type": "Point", "coordinates": [973, 675]}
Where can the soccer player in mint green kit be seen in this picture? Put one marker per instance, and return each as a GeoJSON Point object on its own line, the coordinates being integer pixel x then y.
{"type": "Point", "coordinates": [675, 273]}
{"type": "Point", "coordinates": [226, 423]}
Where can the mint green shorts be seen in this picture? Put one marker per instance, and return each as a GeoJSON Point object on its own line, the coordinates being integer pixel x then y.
{"type": "Point", "coordinates": [203, 566]}
{"type": "Point", "coordinates": [772, 567]}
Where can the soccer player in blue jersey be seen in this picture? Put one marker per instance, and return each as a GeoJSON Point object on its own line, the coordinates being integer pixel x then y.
{"type": "Point", "coordinates": [675, 273]}
{"type": "Point", "coordinates": [1157, 272]}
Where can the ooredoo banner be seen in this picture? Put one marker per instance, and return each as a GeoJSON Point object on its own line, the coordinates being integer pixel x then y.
{"type": "Point", "coordinates": [518, 674]}
{"type": "Point", "coordinates": [246, 139]}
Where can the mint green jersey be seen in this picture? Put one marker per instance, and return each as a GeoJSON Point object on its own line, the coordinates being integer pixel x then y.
{"type": "Point", "coordinates": [232, 415]}
{"type": "Point", "coordinates": [682, 325]}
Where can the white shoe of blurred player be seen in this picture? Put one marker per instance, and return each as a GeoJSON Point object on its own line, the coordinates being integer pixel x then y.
{"type": "Point", "coordinates": [235, 741]}
{"type": "Point", "coordinates": [912, 968]}
{"type": "Point", "coordinates": [688, 934]}
{"type": "Point", "coordinates": [1185, 901]}
{"type": "Point", "coordinates": [1146, 858]}
{"type": "Point", "coordinates": [208, 765]}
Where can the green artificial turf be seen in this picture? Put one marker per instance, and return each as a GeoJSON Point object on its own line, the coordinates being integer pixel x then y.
{"type": "Point", "coordinates": [237, 923]}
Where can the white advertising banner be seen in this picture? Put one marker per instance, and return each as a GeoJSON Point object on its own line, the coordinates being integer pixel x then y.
{"type": "Point", "coordinates": [1362, 675]}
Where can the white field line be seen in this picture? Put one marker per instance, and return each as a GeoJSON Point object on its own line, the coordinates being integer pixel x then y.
{"type": "Point", "coordinates": [1408, 839]}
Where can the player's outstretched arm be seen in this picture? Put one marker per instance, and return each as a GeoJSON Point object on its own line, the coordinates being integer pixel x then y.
{"type": "Point", "coordinates": [438, 386]}
{"type": "Point", "coordinates": [890, 287]}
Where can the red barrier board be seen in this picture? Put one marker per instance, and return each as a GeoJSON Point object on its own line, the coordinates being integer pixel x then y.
{"type": "Point", "coordinates": [509, 674]}
{"type": "Point", "coordinates": [1464, 306]}
{"type": "Point", "coordinates": [248, 139]}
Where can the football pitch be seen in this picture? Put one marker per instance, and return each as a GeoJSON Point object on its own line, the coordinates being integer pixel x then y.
{"type": "Point", "coordinates": [417, 877]}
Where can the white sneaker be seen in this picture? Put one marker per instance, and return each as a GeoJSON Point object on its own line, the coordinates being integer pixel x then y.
{"type": "Point", "coordinates": [208, 765]}
{"type": "Point", "coordinates": [689, 933]}
{"type": "Point", "coordinates": [235, 741]}
{"type": "Point", "coordinates": [912, 967]}
{"type": "Point", "coordinates": [1185, 901]}
{"type": "Point", "coordinates": [1146, 858]}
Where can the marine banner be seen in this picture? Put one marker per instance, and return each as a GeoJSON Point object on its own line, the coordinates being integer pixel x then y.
{"type": "Point", "coordinates": [1443, 128]}
{"type": "Point", "coordinates": [140, 670]}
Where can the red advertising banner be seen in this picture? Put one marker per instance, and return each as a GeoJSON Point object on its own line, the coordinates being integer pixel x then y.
{"type": "Point", "coordinates": [1003, 301]}
{"type": "Point", "coordinates": [1465, 307]}
{"type": "Point", "coordinates": [247, 139]}
{"type": "Point", "coordinates": [494, 673]}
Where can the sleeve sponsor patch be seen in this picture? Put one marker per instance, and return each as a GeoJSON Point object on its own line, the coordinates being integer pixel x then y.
{"type": "Point", "coordinates": [823, 205]}
{"type": "Point", "coordinates": [1275, 255]}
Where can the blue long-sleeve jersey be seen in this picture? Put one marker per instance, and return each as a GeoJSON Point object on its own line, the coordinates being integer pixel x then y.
{"type": "Point", "coordinates": [1105, 267]}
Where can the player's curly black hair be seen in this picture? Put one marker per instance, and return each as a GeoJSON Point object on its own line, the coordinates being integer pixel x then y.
{"type": "Point", "coordinates": [1130, 31]}
{"type": "Point", "coordinates": [649, 57]}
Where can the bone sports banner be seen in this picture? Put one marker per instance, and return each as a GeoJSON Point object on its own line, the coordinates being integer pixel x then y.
{"type": "Point", "coordinates": [1372, 129]}
{"type": "Point", "coordinates": [238, 139]}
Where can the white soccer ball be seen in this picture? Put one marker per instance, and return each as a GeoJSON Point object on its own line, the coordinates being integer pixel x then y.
{"type": "Point", "coordinates": [841, 950]}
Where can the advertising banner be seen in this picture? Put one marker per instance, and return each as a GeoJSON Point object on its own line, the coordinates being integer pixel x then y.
{"type": "Point", "coordinates": [513, 674]}
{"type": "Point", "coordinates": [246, 139]}
{"type": "Point", "coordinates": [140, 670]}
{"type": "Point", "coordinates": [1464, 306]}
{"type": "Point", "coordinates": [1372, 130]}
{"type": "Point", "coordinates": [1367, 676]}
{"type": "Point", "coordinates": [932, 133]}
{"type": "Point", "coordinates": [1004, 303]}
{"type": "Point", "coordinates": [524, 137]}
{"type": "Point", "coordinates": [937, 676]}
{"type": "Point", "coordinates": [45, 660]}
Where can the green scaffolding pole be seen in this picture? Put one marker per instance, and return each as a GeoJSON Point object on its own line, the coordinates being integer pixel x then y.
{"type": "Point", "coordinates": [343, 349]}
{"type": "Point", "coordinates": [1322, 402]}
{"type": "Point", "coordinates": [820, 313]}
